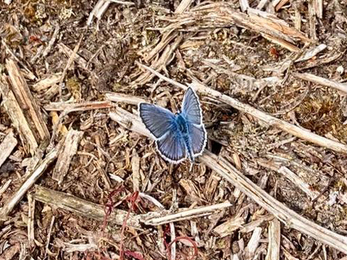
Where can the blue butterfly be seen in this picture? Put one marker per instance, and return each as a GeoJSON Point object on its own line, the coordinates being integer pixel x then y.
{"type": "Point", "coordinates": [176, 135]}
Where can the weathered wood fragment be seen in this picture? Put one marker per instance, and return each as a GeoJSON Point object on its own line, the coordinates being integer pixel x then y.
{"type": "Point", "coordinates": [7, 146]}
{"type": "Point", "coordinates": [66, 153]}
{"type": "Point", "coordinates": [273, 251]}
{"type": "Point", "coordinates": [322, 81]}
{"type": "Point", "coordinates": [83, 207]}
{"type": "Point", "coordinates": [27, 102]}
{"type": "Point", "coordinates": [17, 117]}
{"type": "Point", "coordinates": [28, 183]}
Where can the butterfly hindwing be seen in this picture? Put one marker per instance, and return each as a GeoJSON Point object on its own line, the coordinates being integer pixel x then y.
{"type": "Point", "coordinates": [192, 113]}
{"type": "Point", "coordinates": [198, 138]}
{"type": "Point", "coordinates": [157, 120]}
{"type": "Point", "coordinates": [171, 146]}
{"type": "Point", "coordinates": [191, 107]}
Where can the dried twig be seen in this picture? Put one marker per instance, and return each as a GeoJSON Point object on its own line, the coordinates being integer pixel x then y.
{"type": "Point", "coordinates": [186, 214]}
{"type": "Point", "coordinates": [75, 107]}
{"type": "Point", "coordinates": [49, 47]}
{"type": "Point", "coordinates": [321, 81]}
{"type": "Point", "coordinates": [49, 235]}
{"type": "Point", "coordinates": [280, 4]}
{"type": "Point", "coordinates": [29, 74]}
{"type": "Point", "coordinates": [166, 38]}
{"type": "Point", "coordinates": [123, 98]}
{"type": "Point", "coordinates": [69, 63]}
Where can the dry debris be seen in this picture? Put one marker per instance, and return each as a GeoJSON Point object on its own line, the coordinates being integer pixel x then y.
{"type": "Point", "coordinates": [79, 174]}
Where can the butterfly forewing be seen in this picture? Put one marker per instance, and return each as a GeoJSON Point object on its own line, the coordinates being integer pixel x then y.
{"type": "Point", "coordinates": [158, 120]}
{"type": "Point", "coordinates": [191, 107]}
{"type": "Point", "coordinates": [198, 138]}
{"type": "Point", "coordinates": [171, 146]}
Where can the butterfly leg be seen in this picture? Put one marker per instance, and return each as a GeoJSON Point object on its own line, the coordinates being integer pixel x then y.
{"type": "Point", "coordinates": [191, 166]}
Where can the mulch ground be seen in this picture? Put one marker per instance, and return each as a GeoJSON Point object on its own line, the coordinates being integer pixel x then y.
{"type": "Point", "coordinates": [95, 187]}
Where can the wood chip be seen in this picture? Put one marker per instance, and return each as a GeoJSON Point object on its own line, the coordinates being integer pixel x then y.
{"type": "Point", "coordinates": [228, 227]}
{"type": "Point", "coordinates": [123, 98]}
{"type": "Point", "coordinates": [66, 153]}
{"type": "Point", "coordinates": [135, 166]}
{"type": "Point", "coordinates": [47, 82]}
{"type": "Point", "coordinates": [27, 102]}
{"type": "Point", "coordinates": [253, 242]}
{"type": "Point", "coordinates": [273, 251]}
{"type": "Point", "coordinates": [31, 220]}
{"type": "Point", "coordinates": [318, 8]}
{"type": "Point", "coordinates": [312, 20]}
{"type": "Point", "coordinates": [297, 16]}
{"type": "Point", "coordinates": [7, 146]}
{"type": "Point", "coordinates": [17, 118]}
{"type": "Point", "coordinates": [262, 3]}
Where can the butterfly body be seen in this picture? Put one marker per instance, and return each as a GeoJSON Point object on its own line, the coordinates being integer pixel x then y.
{"type": "Point", "coordinates": [183, 127]}
{"type": "Point", "coordinates": [177, 135]}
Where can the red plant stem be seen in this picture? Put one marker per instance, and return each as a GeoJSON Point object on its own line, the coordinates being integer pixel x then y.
{"type": "Point", "coordinates": [182, 238]}
{"type": "Point", "coordinates": [132, 199]}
